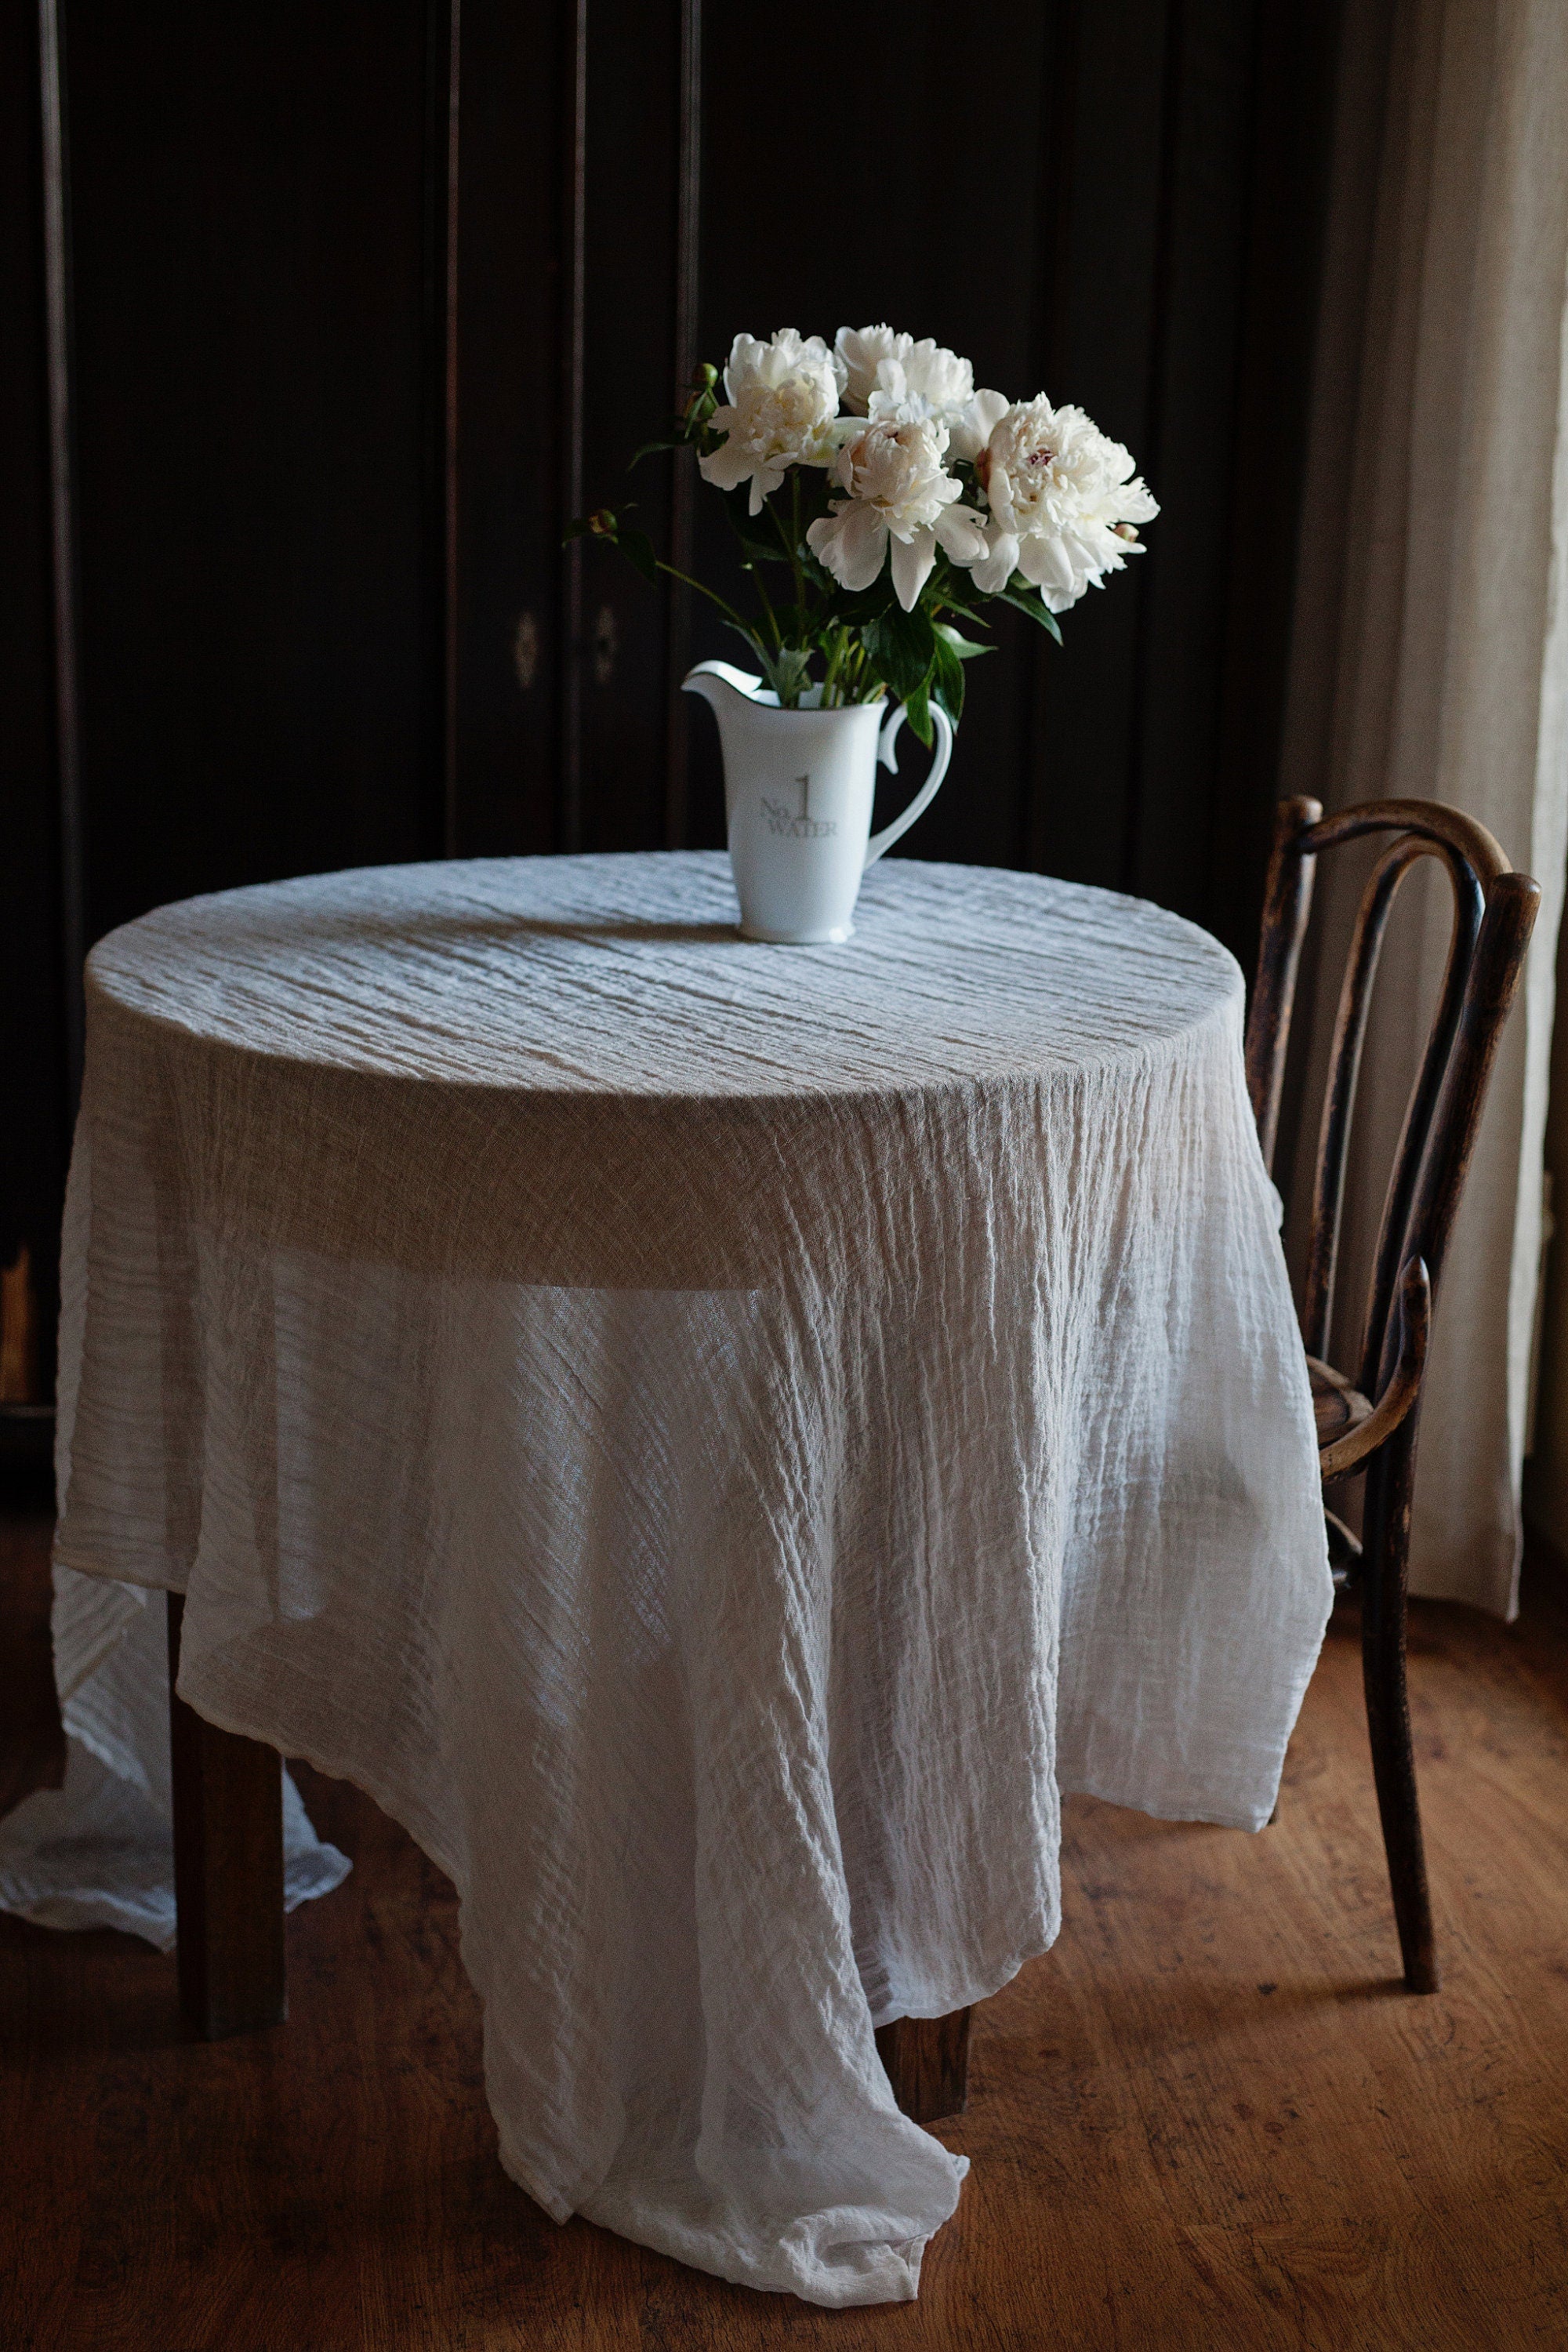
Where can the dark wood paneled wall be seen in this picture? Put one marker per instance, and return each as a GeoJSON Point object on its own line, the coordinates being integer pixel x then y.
{"type": "Point", "coordinates": [363, 301]}
{"type": "Point", "coordinates": [33, 1063]}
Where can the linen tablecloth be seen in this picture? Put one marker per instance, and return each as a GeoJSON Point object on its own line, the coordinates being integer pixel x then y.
{"type": "Point", "coordinates": [714, 1438]}
{"type": "Point", "coordinates": [98, 1852]}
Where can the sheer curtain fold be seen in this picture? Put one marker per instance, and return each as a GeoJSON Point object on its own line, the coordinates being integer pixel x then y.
{"type": "Point", "coordinates": [1431, 651]}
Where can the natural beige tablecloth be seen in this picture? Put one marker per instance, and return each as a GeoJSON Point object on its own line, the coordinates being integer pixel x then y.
{"type": "Point", "coordinates": [714, 1438]}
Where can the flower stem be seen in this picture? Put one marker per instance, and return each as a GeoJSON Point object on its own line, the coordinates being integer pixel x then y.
{"type": "Point", "coordinates": [792, 546]}
{"type": "Point", "coordinates": [830, 676]}
{"type": "Point", "coordinates": [795, 543]}
{"type": "Point", "coordinates": [767, 605]}
{"type": "Point", "coordinates": [714, 598]}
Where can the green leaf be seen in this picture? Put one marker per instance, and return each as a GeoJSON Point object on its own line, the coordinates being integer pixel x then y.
{"type": "Point", "coordinates": [920, 715]}
{"type": "Point", "coordinates": [788, 672]}
{"type": "Point", "coordinates": [964, 647]}
{"type": "Point", "coordinates": [1026, 600]}
{"type": "Point", "coordinates": [947, 675]}
{"type": "Point", "coordinates": [902, 648]}
{"type": "Point", "coordinates": [759, 651]}
{"type": "Point", "coordinates": [638, 547]}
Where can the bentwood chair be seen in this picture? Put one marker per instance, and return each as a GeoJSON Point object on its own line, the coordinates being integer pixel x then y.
{"type": "Point", "coordinates": [1367, 1415]}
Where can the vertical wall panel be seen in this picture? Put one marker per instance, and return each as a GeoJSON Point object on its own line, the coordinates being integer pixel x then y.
{"type": "Point", "coordinates": [683, 485]}
{"type": "Point", "coordinates": [1190, 451]}
{"type": "Point", "coordinates": [1285, 213]}
{"type": "Point", "coordinates": [32, 1038]}
{"type": "Point", "coordinates": [510, 447]}
{"type": "Point", "coordinates": [629, 391]}
{"type": "Point", "coordinates": [1180, 302]}
{"type": "Point", "coordinates": [1100, 346]}
{"type": "Point", "coordinates": [248, 201]}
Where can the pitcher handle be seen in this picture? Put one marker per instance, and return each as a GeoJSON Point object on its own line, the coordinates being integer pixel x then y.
{"type": "Point", "coordinates": [881, 843]}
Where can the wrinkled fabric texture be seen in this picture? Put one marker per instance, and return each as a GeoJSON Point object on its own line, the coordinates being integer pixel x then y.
{"type": "Point", "coordinates": [98, 1852]}
{"type": "Point", "coordinates": [713, 1438]}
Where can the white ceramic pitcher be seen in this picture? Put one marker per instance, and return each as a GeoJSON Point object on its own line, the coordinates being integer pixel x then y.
{"type": "Point", "coordinates": [798, 788]}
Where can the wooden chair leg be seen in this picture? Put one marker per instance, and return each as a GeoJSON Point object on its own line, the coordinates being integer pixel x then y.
{"type": "Point", "coordinates": [229, 1869]}
{"type": "Point", "coordinates": [927, 2060]}
{"type": "Point", "coordinates": [1385, 1568]}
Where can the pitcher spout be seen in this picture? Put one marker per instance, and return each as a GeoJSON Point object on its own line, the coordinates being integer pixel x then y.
{"type": "Point", "coordinates": [721, 685]}
{"type": "Point", "coordinates": [731, 695]}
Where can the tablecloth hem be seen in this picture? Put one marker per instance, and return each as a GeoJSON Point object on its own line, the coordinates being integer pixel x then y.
{"type": "Point", "coordinates": [69, 1914]}
{"type": "Point", "coordinates": [893, 2275]}
{"type": "Point", "coordinates": [72, 1915]}
{"type": "Point", "coordinates": [63, 1556]}
{"type": "Point", "coordinates": [560, 2208]}
{"type": "Point", "coordinates": [895, 2281]}
{"type": "Point", "coordinates": [979, 1988]}
{"type": "Point", "coordinates": [303, 1752]}
{"type": "Point", "coordinates": [98, 1850]}
{"type": "Point", "coordinates": [1200, 1810]}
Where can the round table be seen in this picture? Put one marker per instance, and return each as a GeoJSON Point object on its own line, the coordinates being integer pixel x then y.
{"type": "Point", "coordinates": [714, 1438]}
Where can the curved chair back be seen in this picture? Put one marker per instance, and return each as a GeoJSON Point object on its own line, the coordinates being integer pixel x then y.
{"type": "Point", "coordinates": [1494, 910]}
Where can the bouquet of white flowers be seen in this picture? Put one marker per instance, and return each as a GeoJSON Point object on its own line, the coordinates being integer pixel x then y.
{"type": "Point", "coordinates": [902, 500]}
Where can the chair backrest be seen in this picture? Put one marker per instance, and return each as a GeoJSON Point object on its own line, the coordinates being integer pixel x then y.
{"type": "Point", "coordinates": [1494, 912]}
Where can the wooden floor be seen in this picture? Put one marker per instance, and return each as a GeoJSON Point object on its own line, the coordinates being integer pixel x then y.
{"type": "Point", "coordinates": [1208, 2118]}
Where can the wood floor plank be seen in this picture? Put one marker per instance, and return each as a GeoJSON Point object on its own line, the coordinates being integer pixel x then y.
{"type": "Point", "coordinates": [1210, 2117]}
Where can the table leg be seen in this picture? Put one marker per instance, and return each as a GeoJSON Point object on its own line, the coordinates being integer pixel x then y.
{"type": "Point", "coordinates": [229, 1869]}
{"type": "Point", "coordinates": [927, 2059]}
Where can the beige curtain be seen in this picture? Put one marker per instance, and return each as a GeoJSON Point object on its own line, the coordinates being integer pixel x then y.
{"type": "Point", "coordinates": [1431, 652]}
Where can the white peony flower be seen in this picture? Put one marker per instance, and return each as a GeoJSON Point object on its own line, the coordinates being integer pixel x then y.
{"type": "Point", "coordinates": [971, 427]}
{"type": "Point", "coordinates": [878, 363]}
{"type": "Point", "coordinates": [928, 373]}
{"type": "Point", "coordinates": [783, 397]}
{"type": "Point", "coordinates": [1064, 504]}
{"type": "Point", "coordinates": [860, 351]}
{"type": "Point", "coordinates": [901, 495]}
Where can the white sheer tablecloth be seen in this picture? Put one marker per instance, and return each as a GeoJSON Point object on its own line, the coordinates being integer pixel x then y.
{"type": "Point", "coordinates": [714, 1438]}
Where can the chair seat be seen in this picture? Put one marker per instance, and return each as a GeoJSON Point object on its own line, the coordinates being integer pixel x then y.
{"type": "Point", "coordinates": [1336, 1406]}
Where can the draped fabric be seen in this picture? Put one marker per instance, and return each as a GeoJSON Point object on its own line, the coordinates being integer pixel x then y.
{"type": "Point", "coordinates": [98, 1852]}
{"type": "Point", "coordinates": [1431, 655]}
{"type": "Point", "coordinates": [713, 1438]}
